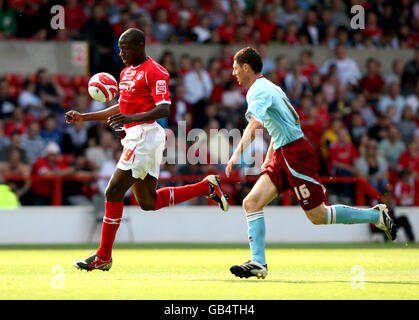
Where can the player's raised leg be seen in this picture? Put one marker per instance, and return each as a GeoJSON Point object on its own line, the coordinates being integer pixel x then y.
{"type": "Point", "coordinates": [262, 193]}
{"type": "Point", "coordinates": [151, 199]}
{"type": "Point", "coordinates": [341, 214]}
{"type": "Point", "coordinates": [118, 185]}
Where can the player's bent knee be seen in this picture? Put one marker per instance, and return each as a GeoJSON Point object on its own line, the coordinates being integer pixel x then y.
{"type": "Point", "coordinates": [250, 205]}
{"type": "Point", "coordinates": [317, 216]}
{"type": "Point", "coordinates": [147, 205]}
{"type": "Point", "coordinates": [112, 193]}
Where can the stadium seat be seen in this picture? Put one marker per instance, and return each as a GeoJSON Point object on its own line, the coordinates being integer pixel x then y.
{"type": "Point", "coordinates": [63, 79]}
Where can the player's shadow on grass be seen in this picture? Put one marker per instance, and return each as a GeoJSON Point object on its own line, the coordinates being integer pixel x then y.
{"type": "Point", "coordinates": [314, 281]}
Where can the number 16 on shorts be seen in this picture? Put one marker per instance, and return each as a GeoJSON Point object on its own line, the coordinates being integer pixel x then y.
{"type": "Point", "coordinates": [302, 192]}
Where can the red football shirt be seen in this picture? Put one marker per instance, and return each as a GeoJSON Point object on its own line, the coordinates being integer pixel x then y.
{"type": "Point", "coordinates": [143, 87]}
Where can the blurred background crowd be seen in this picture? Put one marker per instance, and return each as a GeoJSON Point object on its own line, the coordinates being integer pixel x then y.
{"type": "Point", "coordinates": [361, 124]}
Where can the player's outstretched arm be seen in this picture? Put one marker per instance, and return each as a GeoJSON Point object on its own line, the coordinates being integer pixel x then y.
{"type": "Point", "coordinates": [118, 120]}
{"type": "Point", "coordinates": [248, 136]}
{"type": "Point", "coordinates": [75, 116]}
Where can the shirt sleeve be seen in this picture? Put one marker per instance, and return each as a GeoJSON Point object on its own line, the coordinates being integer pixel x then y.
{"type": "Point", "coordinates": [158, 80]}
{"type": "Point", "coordinates": [259, 101]}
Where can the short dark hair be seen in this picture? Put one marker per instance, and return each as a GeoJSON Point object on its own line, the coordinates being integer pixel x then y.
{"type": "Point", "coordinates": [250, 56]}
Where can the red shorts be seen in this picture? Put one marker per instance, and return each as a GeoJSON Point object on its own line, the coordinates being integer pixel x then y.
{"type": "Point", "coordinates": [295, 166]}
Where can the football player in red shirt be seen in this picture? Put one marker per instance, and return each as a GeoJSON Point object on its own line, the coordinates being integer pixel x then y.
{"type": "Point", "coordinates": [144, 98]}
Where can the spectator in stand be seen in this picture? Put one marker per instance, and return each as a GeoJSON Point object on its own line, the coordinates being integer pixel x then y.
{"type": "Point", "coordinates": [29, 101]}
{"type": "Point", "coordinates": [228, 29]}
{"type": "Point", "coordinates": [356, 127]}
{"type": "Point", "coordinates": [347, 69]}
{"type": "Point", "coordinates": [95, 155]}
{"type": "Point", "coordinates": [231, 97]}
{"type": "Point", "coordinates": [75, 192]}
{"type": "Point", "coordinates": [289, 14]}
{"type": "Point", "coordinates": [413, 99]}
{"type": "Point", "coordinates": [125, 22]}
{"type": "Point", "coordinates": [214, 69]}
{"type": "Point", "coordinates": [323, 114]}
{"type": "Point", "coordinates": [389, 40]}
{"type": "Point", "coordinates": [184, 7]}
{"type": "Point", "coordinates": [342, 37]}
{"type": "Point", "coordinates": [179, 105]}
{"type": "Point", "coordinates": [99, 33]}
{"type": "Point", "coordinates": [167, 60]}
{"type": "Point", "coordinates": [312, 27]}
{"type": "Point", "coordinates": [342, 155]}
{"type": "Point", "coordinates": [281, 68]}
{"type": "Point", "coordinates": [308, 67]}
{"type": "Point", "coordinates": [4, 141]}
{"type": "Point", "coordinates": [330, 85]}
{"type": "Point", "coordinates": [242, 35]}
{"type": "Point", "coordinates": [15, 167]}
{"type": "Point", "coordinates": [409, 160]}
{"type": "Point", "coordinates": [291, 34]}
{"type": "Point", "coordinates": [182, 32]}
{"type": "Point", "coordinates": [198, 89]}
{"type": "Point", "coordinates": [7, 102]}
{"type": "Point", "coordinates": [226, 58]}
{"type": "Point", "coordinates": [16, 123]}
{"type": "Point", "coordinates": [396, 72]}
{"type": "Point", "coordinates": [8, 23]}
{"type": "Point", "coordinates": [388, 19]}
{"type": "Point", "coordinates": [310, 124]}
{"type": "Point", "coordinates": [202, 30]}
{"type": "Point", "coordinates": [379, 130]}
{"type": "Point", "coordinates": [357, 39]}
{"type": "Point", "coordinates": [392, 147]}
{"type": "Point", "coordinates": [75, 138]}
{"type": "Point", "coordinates": [339, 105]}
{"type": "Point", "coordinates": [329, 136]}
{"type": "Point", "coordinates": [278, 36]}
{"type": "Point", "coordinates": [404, 188]}
{"type": "Point", "coordinates": [216, 14]}
{"type": "Point", "coordinates": [15, 143]}
{"type": "Point", "coordinates": [373, 166]}
{"type": "Point", "coordinates": [392, 98]}
{"type": "Point", "coordinates": [267, 26]}
{"type": "Point", "coordinates": [371, 28]}
{"type": "Point", "coordinates": [50, 132]}
{"type": "Point", "coordinates": [339, 16]}
{"type": "Point", "coordinates": [74, 18]}
{"type": "Point", "coordinates": [162, 29]}
{"type": "Point", "coordinates": [50, 165]}
{"type": "Point", "coordinates": [50, 91]}
{"type": "Point", "coordinates": [268, 64]}
{"type": "Point", "coordinates": [372, 83]}
{"type": "Point", "coordinates": [407, 124]}
{"type": "Point", "coordinates": [185, 64]}
{"type": "Point", "coordinates": [410, 73]}
{"type": "Point", "coordinates": [295, 84]}
{"type": "Point", "coordinates": [33, 143]}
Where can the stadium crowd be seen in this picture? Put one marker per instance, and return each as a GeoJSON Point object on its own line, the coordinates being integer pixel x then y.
{"type": "Point", "coordinates": [361, 124]}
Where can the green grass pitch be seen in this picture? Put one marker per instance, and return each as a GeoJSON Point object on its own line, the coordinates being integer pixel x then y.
{"type": "Point", "coordinates": [201, 272]}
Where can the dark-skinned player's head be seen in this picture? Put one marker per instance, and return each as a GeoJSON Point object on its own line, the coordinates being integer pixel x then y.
{"type": "Point", "coordinates": [247, 62]}
{"type": "Point", "coordinates": [131, 45]}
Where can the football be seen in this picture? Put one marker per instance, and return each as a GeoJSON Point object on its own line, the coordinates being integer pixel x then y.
{"type": "Point", "coordinates": [103, 87]}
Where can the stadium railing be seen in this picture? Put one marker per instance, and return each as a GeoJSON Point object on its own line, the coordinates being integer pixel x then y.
{"type": "Point", "coordinates": [363, 188]}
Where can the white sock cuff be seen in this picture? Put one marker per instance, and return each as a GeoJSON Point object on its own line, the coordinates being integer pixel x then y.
{"type": "Point", "coordinates": [330, 215]}
{"type": "Point", "coordinates": [252, 216]}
